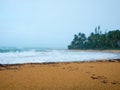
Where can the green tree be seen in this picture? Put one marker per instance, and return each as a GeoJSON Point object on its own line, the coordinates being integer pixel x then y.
{"type": "Point", "coordinates": [97, 40]}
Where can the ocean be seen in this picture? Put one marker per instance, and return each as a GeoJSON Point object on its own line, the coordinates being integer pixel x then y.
{"type": "Point", "coordinates": [42, 55]}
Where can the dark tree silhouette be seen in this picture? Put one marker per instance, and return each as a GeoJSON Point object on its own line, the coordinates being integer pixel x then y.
{"type": "Point", "coordinates": [97, 40]}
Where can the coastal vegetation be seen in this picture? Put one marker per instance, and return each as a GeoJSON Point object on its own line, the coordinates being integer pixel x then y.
{"type": "Point", "coordinates": [96, 40]}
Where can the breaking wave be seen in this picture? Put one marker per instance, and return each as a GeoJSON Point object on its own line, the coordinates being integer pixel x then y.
{"type": "Point", "coordinates": [38, 55]}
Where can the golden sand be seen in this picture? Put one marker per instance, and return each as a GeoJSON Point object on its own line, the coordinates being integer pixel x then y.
{"type": "Point", "coordinates": [61, 76]}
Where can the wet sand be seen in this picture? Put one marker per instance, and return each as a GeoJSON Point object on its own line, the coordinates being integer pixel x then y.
{"type": "Point", "coordinates": [100, 75]}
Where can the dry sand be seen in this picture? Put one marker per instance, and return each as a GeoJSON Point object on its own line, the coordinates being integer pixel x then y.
{"type": "Point", "coordinates": [61, 76]}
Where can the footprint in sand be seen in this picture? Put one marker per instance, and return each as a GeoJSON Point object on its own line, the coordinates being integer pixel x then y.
{"type": "Point", "coordinates": [102, 79]}
{"type": "Point", "coordinates": [115, 82]}
{"type": "Point", "coordinates": [63, 68]}
{"type": "Point", "coordinates": [70, 68]}
{"type": "Point", "coordinates": [91, 66]}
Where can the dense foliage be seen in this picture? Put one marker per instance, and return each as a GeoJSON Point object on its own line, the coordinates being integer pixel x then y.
{"type": "Point", "coordinates": [96, 40]}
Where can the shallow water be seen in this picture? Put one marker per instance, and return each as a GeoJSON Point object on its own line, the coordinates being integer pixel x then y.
{"type": "Point", "coordinates": [37, 55]}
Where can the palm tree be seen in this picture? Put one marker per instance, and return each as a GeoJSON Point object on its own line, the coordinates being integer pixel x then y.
{"type": "Point", "coordinates": [97, 40]}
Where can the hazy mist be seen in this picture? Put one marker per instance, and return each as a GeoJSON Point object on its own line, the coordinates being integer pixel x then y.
{"type": "Point", "coordinates": [52, 23]}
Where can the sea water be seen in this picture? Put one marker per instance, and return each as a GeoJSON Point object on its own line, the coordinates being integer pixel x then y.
{"type": "Point", "coordinates": [41, 55]}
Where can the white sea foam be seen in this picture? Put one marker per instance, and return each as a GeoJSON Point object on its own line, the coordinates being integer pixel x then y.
{"type": "Point", "coordinates": [32, 56]}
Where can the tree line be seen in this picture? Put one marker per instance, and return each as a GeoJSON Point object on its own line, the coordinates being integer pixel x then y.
{"type": "Point", "coordinates": [96, 40]}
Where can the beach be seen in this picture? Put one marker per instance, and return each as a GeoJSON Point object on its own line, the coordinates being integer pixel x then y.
{"type": "Point", "coordinates": [100, 75]}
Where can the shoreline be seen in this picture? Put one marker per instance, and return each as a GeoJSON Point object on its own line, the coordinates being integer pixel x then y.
{"type": "Point", "coordinates": [91, 50]}
{"type": "Point", "coordinates": [44, 63]}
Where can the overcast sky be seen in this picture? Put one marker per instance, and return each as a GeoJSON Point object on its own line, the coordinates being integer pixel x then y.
{"type": "Point", "coordinates": [52, 23]}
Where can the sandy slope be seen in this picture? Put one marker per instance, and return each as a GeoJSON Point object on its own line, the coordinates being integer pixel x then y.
{"type": "Point", "coordinates": [61, 76]}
